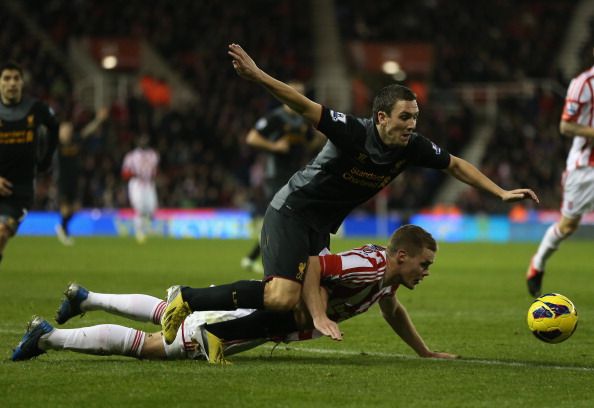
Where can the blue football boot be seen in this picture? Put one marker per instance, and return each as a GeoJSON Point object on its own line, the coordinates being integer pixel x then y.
{"type": "Point", "coordinates": [28, 347]}
{"type": "Point", "coordinates": [70, 307]}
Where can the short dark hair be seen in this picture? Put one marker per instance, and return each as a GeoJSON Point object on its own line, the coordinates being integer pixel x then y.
{"type": "Point", "coordinates": [11, 65]}
{"type": "Point", "coordinates": [412, 239]}
{"type": "Point", "coordinates": [387, 96]}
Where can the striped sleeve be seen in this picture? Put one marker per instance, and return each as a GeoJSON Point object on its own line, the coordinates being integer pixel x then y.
{"type": "Point", "coordinates": [579, 94]}
{"type": "Point", "coordinates": [353, 266]}
{"type": "Point", "coordinates": [331, 265]}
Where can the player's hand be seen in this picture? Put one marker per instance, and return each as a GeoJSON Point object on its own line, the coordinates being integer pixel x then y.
{"type": "Point", "coordinates": [5, 187]}
{"type": "Point", "coordinates": [328, 328]}
{"type": "Point", "coordinates": [244, 65]}
{"type": "Point", "coordinates": [519, 195]}
{"type": "Point", "coordinates": [438, 354]}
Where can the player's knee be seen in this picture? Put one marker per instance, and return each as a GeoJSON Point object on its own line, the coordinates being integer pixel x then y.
{"type": "Point", "coordinates": [283, 303]}
{"type": "Point", "coordinates": [5, 233]}
{"type": "Point", "coordinates": [568, 227]}
{"type": "Point", "coordinates": [154, 347]}
{"type": "Point", "coordinates": [282, 297]}
{"type": "Point", "coordinates": [568, 230]}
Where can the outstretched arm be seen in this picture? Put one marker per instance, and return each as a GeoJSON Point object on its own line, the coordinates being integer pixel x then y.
{"type": "Point", "coordinates": [469, 174]}
{"type": "Point", "coordinates": [571, 129]}
{"type": "Point", "coordinates": [312, 296]}
{"type": "Point", "coordinates": [100, 117]}
{"type": "Point", "coordinates": [257, 140]}
{"type": "Point", "coordinates": [246, 68]}
{"type": "Point", "coordinates": [397, 317]}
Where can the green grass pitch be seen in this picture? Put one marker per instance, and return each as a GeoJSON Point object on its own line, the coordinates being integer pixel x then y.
{"type": "Point", "coordinates": [474, 304]}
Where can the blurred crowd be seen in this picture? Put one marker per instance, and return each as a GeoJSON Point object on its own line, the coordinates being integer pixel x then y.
{"type": "Point", "coordinates": [474, 41]}
{"type": "Point", "coordinates": [204, 159]}
{"type": "Point", "coordinates": [486, 43]}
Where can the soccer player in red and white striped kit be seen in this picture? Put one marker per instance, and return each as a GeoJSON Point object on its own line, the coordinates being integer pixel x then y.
{"type": "Point", "coordinates": [140, 169]}
{"type": "Point", "coordinates": [577, 121]}
{"type": "Point", "coordinates": [336, 287]}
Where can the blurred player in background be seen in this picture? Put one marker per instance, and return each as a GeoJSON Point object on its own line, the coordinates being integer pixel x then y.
{"type": "Point", "coordinates": [140, 169]}
{"type": "Point", "coordinates": [287, 138]}
{"type": "Point", "coordinates": [577, 122]}
{"type": "Point", "coordinates": [352, 282]}
{"type": "Point", "coordinates": [69, 170]}
{"type": "Point", "coordinates": [361, 157]}
{"type": "Point", "coordinates": [28, 139]}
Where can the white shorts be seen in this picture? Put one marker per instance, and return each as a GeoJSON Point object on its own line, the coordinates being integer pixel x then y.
{"type": "Point", "coordinates": [185, 345]}
{"type": "Point", "coordinates": [143, 196]}
{"type": "Point", "coordinates": [578, 192]}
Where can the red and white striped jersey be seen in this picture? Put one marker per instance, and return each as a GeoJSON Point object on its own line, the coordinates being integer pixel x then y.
{"type": "Point", "coordinates": [141, 164]}
{"type": "Point", "coordinates": [579, 108]}
{"type": "Point", "coordinates": [354, 280]}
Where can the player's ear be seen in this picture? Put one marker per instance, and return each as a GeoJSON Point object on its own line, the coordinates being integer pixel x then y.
{"type": "Point", "coordinates": [401, 255]}
{"type": "Point", "coordinates": [381, 117]}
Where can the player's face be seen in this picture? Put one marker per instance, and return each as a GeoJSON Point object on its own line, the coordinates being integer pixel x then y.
{"type": "Point", "coordinates": [11, 86]}
{"type": "Point", "coordinates": [396, 128]}
{"type": "Point", "coordinates": [411, 270]}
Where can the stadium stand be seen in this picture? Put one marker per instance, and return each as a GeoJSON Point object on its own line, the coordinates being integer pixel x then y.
{"type": "Point", "coordinates": [516, 44]}
{"type": "Point", "coordinates": [204, 162]}
{"type": "Point", "coordinates": [204, 159]}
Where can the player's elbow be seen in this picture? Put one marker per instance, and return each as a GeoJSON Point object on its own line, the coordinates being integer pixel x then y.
{"type": "Point", "coordinates": [252, 137]}
{"type": "Point", "coordinates": [127, 175]}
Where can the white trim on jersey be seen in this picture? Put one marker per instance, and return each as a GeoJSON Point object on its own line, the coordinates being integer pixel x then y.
{"type": "Point", "coordinates": [142, 164]}
{"type": "Point", "coordinates": [354, 280]}
{"type": "Point", "coordinates": [579, 108]}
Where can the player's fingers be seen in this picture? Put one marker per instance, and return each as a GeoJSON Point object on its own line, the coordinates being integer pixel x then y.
{"type": "Point", "coordinates": [330, 331]}
{"type": "Point", "coordinates": [533, 196]}
{"type": "Point", "coordinates": [526, 193]}
{"type": "Point", "coordinates": [236, 50]}
{"type": "Point", "coordinates": [336, 334]}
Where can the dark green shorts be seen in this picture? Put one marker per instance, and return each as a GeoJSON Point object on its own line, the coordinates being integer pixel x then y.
{"type": "Point", "coordinates": [287, 243]}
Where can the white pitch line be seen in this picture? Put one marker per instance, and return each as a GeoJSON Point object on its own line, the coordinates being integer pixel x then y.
{"type": "Point", "coordinates": [458, 361]}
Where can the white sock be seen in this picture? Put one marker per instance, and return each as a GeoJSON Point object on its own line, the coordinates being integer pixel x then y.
{"type": "Point", "coordinates": [138, 224]}
{"type": "Point", "coordinates": [104, 339]}
{"type": "Point", "coordinates": [549, 244]}
{"type": "Point", "coordinates": [143, 308]}
{"type": "Point", "coordinates": [146, 224]}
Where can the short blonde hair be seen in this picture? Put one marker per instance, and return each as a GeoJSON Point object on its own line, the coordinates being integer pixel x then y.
{"type": "Point", "coordinates": [411, 238]}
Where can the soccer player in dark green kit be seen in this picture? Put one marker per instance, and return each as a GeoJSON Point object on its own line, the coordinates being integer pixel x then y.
{"type": "Point", "coordinates": [28, 138]}
{"type": "Point", "coordinates": [288, 140]}
{"type": "Point", "coordinates": [361, 157]}
{"type": "Point", "coordinates": [71, 139]}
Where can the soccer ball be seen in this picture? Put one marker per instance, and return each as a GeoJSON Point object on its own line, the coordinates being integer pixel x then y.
{"type": "Point", "coordinates": [552, 318]}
